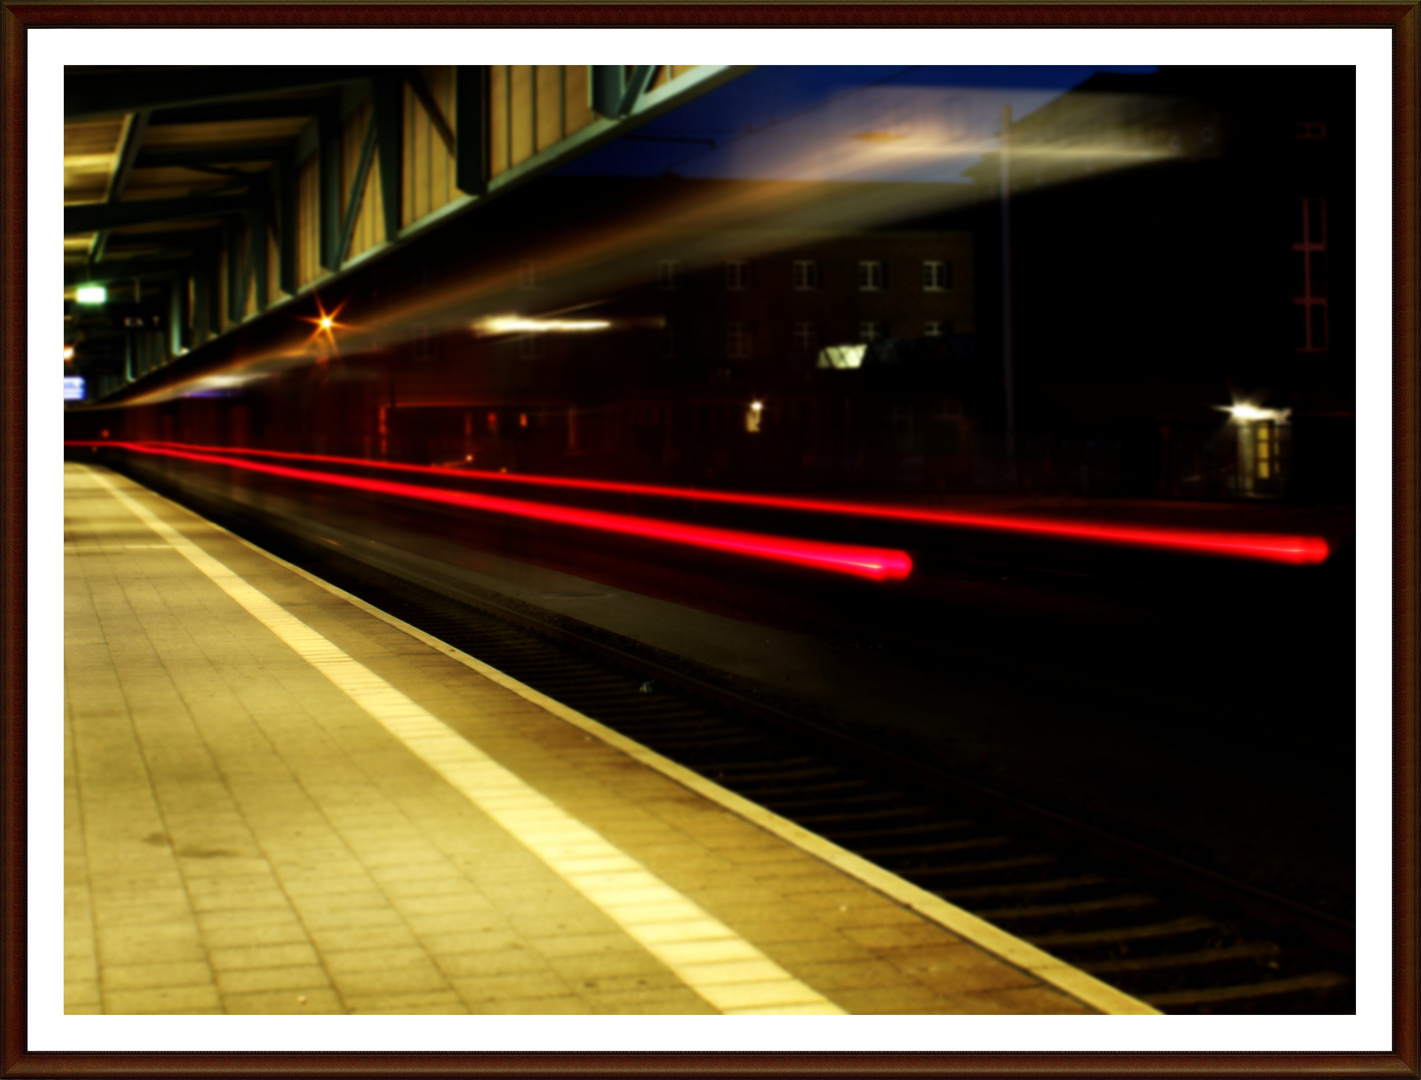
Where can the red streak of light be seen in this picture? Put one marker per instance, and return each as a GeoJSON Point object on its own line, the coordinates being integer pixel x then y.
{"type": "Point", "coordinates": [877, 564]}
{"type": "Point", "coordinates": [1269, 547]}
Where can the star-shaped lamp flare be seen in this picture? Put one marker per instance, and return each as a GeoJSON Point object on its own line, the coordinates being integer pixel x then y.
{"type": "Point", "coordinates": [326, 324]}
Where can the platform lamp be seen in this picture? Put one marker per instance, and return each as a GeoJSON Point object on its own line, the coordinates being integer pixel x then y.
{"type": "Point", "coordinates": [91, 294]}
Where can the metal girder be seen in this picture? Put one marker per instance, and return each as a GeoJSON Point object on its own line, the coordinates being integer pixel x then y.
{"type": "Point", "coordinates": [329, 189]}
{"type": "Point", "coordinates": [94, 96]}
{"type": "Point", "coordinates": [273, 109]}
{"type": "Point", "coordinates": [649, 104]}
{"type": "Point", "coordinates": [357, 194]}
{"type": "Point", "coordinates": [201, 305]}
{"type": "Point", "coordinates": [608, 82]}
{"type": "Point", "coordinates": [177, 314]}
{"type": "Point", "coordinates": [471, 129]}
{"type": "Point", "coordinates": [415, 78]}
{"type": "Point", "coordinates": [160, 159]}
{"type": "Point", "coordinates": [388, 119]}
{"type": "Point", "coordinates": [256, 257]}
{"type": "Point", "coordinates": [284, 181]}
{"type": "Point", "coordinates": [614, 93]}
{"type": "Point", "coordinates": [93, 217]}
{"type": "Point", "coordinates": [233, 251]}
{"type": "Point", "coordinates": [636, 86]}
{"type": "Point", "coordinates": [127, 154]}
{"type": "Point", "coordinates": [124, 271]}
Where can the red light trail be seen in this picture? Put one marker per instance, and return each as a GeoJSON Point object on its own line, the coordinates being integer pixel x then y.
{"type": "Point", "coordinates": [876, 564]}
{"type": "Point", "coordinates": [1268, 547]}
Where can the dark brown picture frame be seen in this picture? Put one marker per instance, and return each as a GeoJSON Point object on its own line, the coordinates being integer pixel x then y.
{"type": "Point", "coordinates": [18, 17]}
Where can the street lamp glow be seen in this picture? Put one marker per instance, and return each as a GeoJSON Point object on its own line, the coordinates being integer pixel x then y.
{"type": "Point", "coordinates": [91, 294]}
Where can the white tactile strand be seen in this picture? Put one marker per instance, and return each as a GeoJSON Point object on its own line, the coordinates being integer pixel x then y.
{"type": "Point", "coordinates": [637, 900]}
{"type": "Point", "coordinates": [1071, 981]}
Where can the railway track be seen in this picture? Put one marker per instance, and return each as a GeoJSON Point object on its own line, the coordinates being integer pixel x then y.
{"type": "Point", "coordinates": [1177, 936]}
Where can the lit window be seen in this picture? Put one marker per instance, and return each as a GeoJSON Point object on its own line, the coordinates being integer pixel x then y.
{"type": "Point", "coordinates": [870, 331]}
{"type": "Point", "coordinates": [806, 275]}
{"type": "Point", "coordinates": [937, 328]}
{"type": "Point", "coordinates": [529, 274]}
{"type": "Point", "coordinates": [737, 275]}
{"type": "Point", "coordinates": [870, 275]}
{"type": "Point", "coordinates": [738, 342]}
{"type": "Point", "coordinates": [841, 356]}
{"type": "Point", "coordinates": [806, 338]}
{"type": "Point", "coordinates": [937, 276]}
{"type": "Point", "coordinates": [1263, 449]}
{"type": "Point", "coordinates": [669, 273]}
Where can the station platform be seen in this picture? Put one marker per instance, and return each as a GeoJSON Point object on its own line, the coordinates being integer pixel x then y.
{"type": "Point", "coordinates": [278, 800]}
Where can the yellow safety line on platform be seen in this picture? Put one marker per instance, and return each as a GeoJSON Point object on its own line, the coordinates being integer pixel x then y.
{"type": "Point", "coordinates": [723, 968]}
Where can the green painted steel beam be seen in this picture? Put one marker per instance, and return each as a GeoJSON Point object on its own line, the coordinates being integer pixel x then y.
{"type": "Point", "coordinates": [388, 118]}
{"type": "Point", "coordinates": [328, 165]}
{"type": "Point", "coordinates": [284, 181]}
{"type": "Point", "coordinates": [93, 217]}
{"type": "Point", "coordinates": [471, 129]}
{"type": "Point", "coordinates": [123, 169]}
{"type": "Point", "coordinates": [636, 86]}
{"type": "Point", "coordinates": [92, 96]}
{"type": "Point", "coordinates": [208, 155]}
{"type": "Point", "coordinates": [357, 194]}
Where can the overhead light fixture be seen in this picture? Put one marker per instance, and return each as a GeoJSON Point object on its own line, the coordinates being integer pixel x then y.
{"type": "Point", "coordinates": [515, 324]}
{"type": "Point", "coordinates": [1244, 412]}
{"type": "Point", "coordinates": [92, 294]}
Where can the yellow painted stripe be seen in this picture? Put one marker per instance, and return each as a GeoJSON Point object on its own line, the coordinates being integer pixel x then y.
{"type": "Point", "coordinates": [719, 965]}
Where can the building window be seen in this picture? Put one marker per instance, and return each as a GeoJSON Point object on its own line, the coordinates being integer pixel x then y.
{"type": "Point", "coordinates": [1312, 299]}
{"type": "Point", "coordinates": [871, 331]}
{"type": "Point", "coordinates": [937, 276]}
{"type": "Point", "coordinates": [806, 275]}
{"type": "Point", "coordinates": [806, 337]}
{"type": "Point", "coordinates": [666, 342]}
{"type": "Point", "coordinates": [1265, 447]}
{"type": "Point", "coordinates": [529, 274]}
{"type": "Point", "coordinates": [870, 275]}
{"type": "Point", "coordinates": [738, 343]}
{"type": "Point", "coordinates": [737, 275]}
{"type": "Point", "coordinates": [937, 328]}
{"type": "Point", "coordinates": [669, 273]}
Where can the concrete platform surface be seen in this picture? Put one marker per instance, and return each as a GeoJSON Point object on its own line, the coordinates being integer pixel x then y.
{"type": "Point", "coordinates": [278, 801]}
